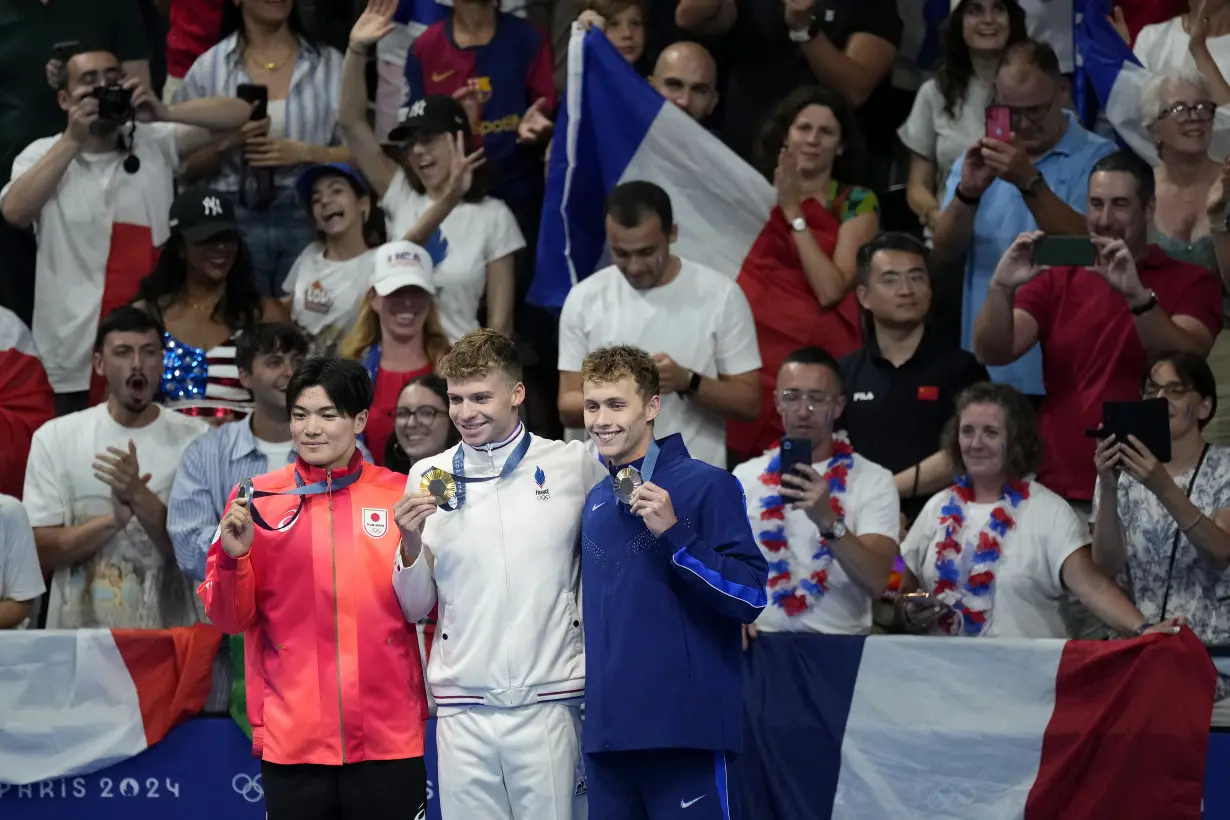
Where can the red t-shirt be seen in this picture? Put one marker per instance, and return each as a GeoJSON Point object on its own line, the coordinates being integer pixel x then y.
{"type": "Point", "coordinates": [1091, 353]}
{"type": "Point", "coordinates": [195, 27]}
{"type": "Point", "coordinates": [381, 419]}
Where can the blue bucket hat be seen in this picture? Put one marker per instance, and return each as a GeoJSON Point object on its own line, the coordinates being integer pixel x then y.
{"type": "Point", "coordinates": [303, 185]}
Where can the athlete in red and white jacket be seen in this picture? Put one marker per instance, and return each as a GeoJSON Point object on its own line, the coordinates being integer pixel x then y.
{"type": "Point", "coordinates": [507, 667]}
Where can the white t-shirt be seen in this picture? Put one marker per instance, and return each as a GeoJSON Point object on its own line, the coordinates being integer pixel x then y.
{"type": "Point", "coordinates": [326, 294]}
{"type": "Point", "coordinates": [700, 319]}
{"type": "Point", "coordinates": [21, 579]}
{"type": "Point", "coordinates": [95, 203]}
{"type": "Point", "coordinates": [128, 583]}
{"type": "Point", "coordinates": [277, 453]}
{"type": "Point", "coordinates": [872, 508]}
{"type": "Point", "coordinates": [931, 133]}
{"type": "Point", "coordinates": [476, 232]}
{"type": "Point", "coordinates": [1028, 586]}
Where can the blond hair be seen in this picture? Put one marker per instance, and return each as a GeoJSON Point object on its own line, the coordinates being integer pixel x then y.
{"type": "Point", "coordinates": [610, 364]}
{"type": "Point", "coordinates": [366, 332]}
{"type": "Point", "coordinates": [480, 352]}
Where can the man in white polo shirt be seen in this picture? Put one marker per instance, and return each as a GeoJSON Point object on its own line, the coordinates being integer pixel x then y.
{"type": "Point", "coordinates": [99, 195]}
{"type": "Point", "coordinates": [695, 319]}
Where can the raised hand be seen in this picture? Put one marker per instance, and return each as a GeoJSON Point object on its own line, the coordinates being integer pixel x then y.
{"type": "Point", "coordinates": [788, 184]}
{"type": "Point", "coordinates": [1116, 265]}
{"type": "Point", "coordinates": [462, 167]}
{"type": "Point", "coordinates": [120, 471]}
{"type": "Point", "coordinates": [1016, 266]}
{"type": "Point", "coordinates": [976, 175]}
{"type": "Point", "coordinates": [653, 505]}
{"type": "Point", "coordinates": [82, 116]}
{"type": "Point", "coordinates": [374, 24]}
{"type": "Point", "coordinates": [237, 531]}
{"type": "Point", "coordinates": [534, 125]}
{"type": "Point", "coordinates": [809, 492]}
{"type": "Point", "coordinates": [410, 514]}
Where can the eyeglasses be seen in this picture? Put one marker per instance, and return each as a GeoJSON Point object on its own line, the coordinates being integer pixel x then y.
{"type": "Point", "coordinates": [425, 415]}
{"type": "Point", "coordinates": [1171, 390]}
{"type": "Point", "coordinates": [1182, 112]}
{"type": "Point", "coordinates": [812, 397]}
{"type": "Point", "coordinates": [893, 279]}
{"type": "Point", "coordinates": [1035, 114]}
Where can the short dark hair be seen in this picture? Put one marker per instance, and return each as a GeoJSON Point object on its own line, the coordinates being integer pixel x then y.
{"type": "Point", "coordinates": [817, 356]}
{"type": "Point", "coordinates": [1194, 372]}
{"type": "Point", "coordinates": [630, 203]}
{"type": "Point", "coordinates": [1033, 54]}
{"type": "Point", "coordinates": [266, 338]}
{"type": "Point", "coordinates": [127, 319]}
{"type": "Point", "coordinates": [849, 168]}
{"type": "Point", "coordinates": [1125, 162]}
{"type": "Point", "coordinates": [887, 241]}
{"type": "Point", "coordinates": [1024, 445]}
{"type": "Point", "coordinates": [344, 381]}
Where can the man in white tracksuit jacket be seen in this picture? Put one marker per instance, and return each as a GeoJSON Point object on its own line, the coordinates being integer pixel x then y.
{"type": "Point", "coordinates": [501, 558]}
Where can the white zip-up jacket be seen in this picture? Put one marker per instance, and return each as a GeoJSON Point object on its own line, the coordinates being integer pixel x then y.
{"type": "Point", "coordinates": [507, 577]}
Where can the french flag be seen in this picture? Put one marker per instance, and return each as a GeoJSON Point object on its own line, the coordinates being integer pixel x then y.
{"type": "Point", "coordinates": [612, 128]}
{"type": "Point", "coordinates": [1119, 78]}
{"type": "Point", "coordinates": [76, 701]}
{"type": "Point", "coordinates": [850, 728]}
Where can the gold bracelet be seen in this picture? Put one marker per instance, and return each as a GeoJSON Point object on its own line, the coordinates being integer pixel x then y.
{"type": "Point", "coordinates": [1191, 526]}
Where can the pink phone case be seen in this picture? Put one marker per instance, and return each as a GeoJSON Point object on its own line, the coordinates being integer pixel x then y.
{"type": "Point", "coordinates": [999, 123]}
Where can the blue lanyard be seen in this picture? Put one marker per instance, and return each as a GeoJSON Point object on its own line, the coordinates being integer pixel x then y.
{"type": "Point", "coordinates": [302, 490]}
{"type": "Point", "coordinates": [459, 468]}
{"type": "Point", "coordinates": [647, 466]}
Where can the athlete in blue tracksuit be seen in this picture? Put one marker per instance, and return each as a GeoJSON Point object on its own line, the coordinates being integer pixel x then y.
{"type": "Point", "coordinates": [668, 580]}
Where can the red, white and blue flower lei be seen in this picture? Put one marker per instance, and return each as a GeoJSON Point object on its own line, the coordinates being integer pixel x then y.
{"type": "Point", "coordinates": [796, 591]}
{"type": "Point", "coordinates": [972, 601]}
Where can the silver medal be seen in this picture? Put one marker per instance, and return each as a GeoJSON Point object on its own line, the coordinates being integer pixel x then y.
{"type": "Point", "coordinates": [626, 481]}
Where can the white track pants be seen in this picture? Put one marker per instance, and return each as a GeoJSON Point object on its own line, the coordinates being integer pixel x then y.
{"type": "Point", "coordinates": [522, 763]}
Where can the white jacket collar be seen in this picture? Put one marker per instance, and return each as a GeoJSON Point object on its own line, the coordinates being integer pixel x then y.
{"type": "Point", "coordinates": [493, 453]}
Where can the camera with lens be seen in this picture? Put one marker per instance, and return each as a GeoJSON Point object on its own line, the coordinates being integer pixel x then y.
{"type": "Point", "coordinates": [114, 102]}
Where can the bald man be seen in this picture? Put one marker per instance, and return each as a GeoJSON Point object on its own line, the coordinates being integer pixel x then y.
{"type": "Point", "coordinates": [686, 74]}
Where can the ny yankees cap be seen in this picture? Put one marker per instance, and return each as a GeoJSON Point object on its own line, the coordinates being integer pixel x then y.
{"type": "Point", "coordinates": [199, 214]}
{"type": "Point", "coordinates": [433, 114]}
{"type": "Point", "coordinates": [402, 264]}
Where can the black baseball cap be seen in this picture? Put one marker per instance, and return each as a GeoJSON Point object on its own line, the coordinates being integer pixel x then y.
{"type": "Point", "coordinates": [199, 214]}
{"type": "Point", "coordinates": [433, 114]}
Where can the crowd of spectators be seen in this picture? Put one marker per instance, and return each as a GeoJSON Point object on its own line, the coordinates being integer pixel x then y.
{"type": "Point", "coordinates": [198, 194]}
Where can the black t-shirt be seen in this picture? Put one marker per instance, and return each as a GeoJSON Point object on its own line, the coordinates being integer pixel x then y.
{"type": "Point", "coordinates": [895, 415]}
{"type": "Point", "coordinates": [765, 66]}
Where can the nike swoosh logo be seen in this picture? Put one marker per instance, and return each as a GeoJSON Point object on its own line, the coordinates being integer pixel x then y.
{"type": "Point", "coordinates": [443, 75]}
{"type": "Point", "coordinates": [683, 804]}
{"type": "Point", "coordinates": [596, 506]}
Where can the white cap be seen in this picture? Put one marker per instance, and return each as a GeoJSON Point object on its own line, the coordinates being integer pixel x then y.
{"type": "Point", "coordinates": [402, 264]}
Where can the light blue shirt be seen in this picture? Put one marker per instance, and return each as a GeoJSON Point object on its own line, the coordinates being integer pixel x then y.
{"type": "Point", "coordinates": [1003, 216]}
{"type": "Point", "coordinates": [208, 471]}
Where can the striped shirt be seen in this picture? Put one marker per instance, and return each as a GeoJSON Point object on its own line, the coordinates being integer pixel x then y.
{"type": "Point", "coordinates": [311, 105]}
{"type": "Point", "coordinates": [209, 469]}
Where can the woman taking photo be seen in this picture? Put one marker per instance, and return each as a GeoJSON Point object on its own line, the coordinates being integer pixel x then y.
{"type": "Point", "coordinates": [421, 426]}
{"type": "Point", "coordinates": [799, 275]}
{"type": "Point", "coordinates": [202, 292]}
{"type": "Point", "coordinates": [994, 554]}
{"type": "Point", "coordinates": [437, 181]}
{"type": "Point", "coordinates": [326, 286]}
{"type": "Point", "coordinates": [265, 44]}
{"type": "Point", "coordinates": [397, 336]}
{"type": "Point", "coordinates": [949, 112]}
{"type": "Point", "coordinates": [1166, 527]}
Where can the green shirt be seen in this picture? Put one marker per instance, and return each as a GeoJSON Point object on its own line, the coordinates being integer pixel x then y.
{"type": "Point", "coordinates": [29, 29]}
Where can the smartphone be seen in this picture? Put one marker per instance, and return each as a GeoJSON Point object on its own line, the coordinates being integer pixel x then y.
{"type": "Point", "coordinates": [258, 94]}
{"type": "Point", "coordinates": [795, 451]}
{"type": "Point", "coordinates": [1148, 420]}
{"type": "Point", "coordinates": [64, 50]}
{"type": "Point", "coordinates": [1065, 251]}
{"type": "Point", "coordinates": [999, 123]}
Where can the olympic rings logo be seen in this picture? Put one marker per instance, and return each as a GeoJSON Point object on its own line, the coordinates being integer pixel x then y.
{"type": "Point", "coordinates": [249, 788]}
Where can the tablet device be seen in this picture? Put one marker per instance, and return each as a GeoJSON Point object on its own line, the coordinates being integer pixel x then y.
{"type": "Point", "coordinates": [1148, 420]}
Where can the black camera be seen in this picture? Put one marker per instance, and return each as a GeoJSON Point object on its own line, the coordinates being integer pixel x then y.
{"type": "Point", "coordinates": [114, 102]}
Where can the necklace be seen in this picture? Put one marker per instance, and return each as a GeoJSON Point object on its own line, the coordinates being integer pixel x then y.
{"type": "Point", "coordinates": [972, 601]}
{"type": "Point", "coordinates": [795, 590]}
{"type": "Point", "coordinates": [273, 65]}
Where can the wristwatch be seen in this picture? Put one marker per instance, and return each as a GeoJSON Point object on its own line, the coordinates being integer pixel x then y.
{"type": "Point", "coordinates": [693, 385]}
{"type": "Point", "coordinates": [1148, 305]}
{"type": "Point", "coordinates": [835, 532]}
{"type": "Point", "coordinates": [798, 224]}
{"type": "Point", "coordinates": [1143, 628]}
{"type": "Point", "coordinates": [1032, 187]}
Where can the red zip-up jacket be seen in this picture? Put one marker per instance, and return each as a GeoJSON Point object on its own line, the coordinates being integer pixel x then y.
{"type": "Point", "coordinates": [332, 668]}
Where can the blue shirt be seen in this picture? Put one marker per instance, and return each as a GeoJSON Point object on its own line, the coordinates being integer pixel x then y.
{"type": "Point", "coordinates": [1003, 216]}
{"type": "Point", "coordinates": [663, 649]}
{"type": "Point", "coordinates": [210, 468]}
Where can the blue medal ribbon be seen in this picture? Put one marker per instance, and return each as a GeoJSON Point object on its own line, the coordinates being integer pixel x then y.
{"type": "Point", "coordinates": [647, 466]}
{"type": "Point", "coordinates": [459, 468]}
{"type": "Point", "coordinates": [301, 489]}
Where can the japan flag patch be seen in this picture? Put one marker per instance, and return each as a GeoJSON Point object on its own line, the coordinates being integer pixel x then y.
{"type": "Point", "coordinates": [375, 522]}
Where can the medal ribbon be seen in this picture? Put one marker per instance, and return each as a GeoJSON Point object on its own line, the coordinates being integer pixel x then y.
{"type": "Point", "coordinates": [459, 468]}
{"type": "Point", "coordinates": [647, 466]}
{"type": "Point", "coordinates": [301, 489]}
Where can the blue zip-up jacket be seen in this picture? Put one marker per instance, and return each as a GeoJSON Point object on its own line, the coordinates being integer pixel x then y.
{"type": "Point", "coordinates": [663, 652]}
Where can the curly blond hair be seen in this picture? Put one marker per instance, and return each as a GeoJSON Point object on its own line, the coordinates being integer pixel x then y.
{"type": "Point", "coordinates": [610, 364]}
{"type": "Point", "coordinates": [478, 353]}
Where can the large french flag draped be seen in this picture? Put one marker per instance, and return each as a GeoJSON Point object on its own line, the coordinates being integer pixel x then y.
{"type": "Point", "coordinates": [848, 727]}
{"type": "Point", "coordinates": [612, 128]}
{"type": "Point", "coordinates": [76, 701]}
{"type": "Point", "coordinates": [1118, 78]}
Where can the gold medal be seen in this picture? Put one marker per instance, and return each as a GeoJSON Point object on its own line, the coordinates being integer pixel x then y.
{"type": "Point", "coordinates": [440, 484]}
{"type": "Point", "coordinates": [626, 481]}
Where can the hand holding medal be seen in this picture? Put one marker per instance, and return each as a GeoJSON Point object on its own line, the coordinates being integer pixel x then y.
{"type": "Point", "coordinates": [653, 505]}
{"type": "Point", "coordinates": [410, 514]}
